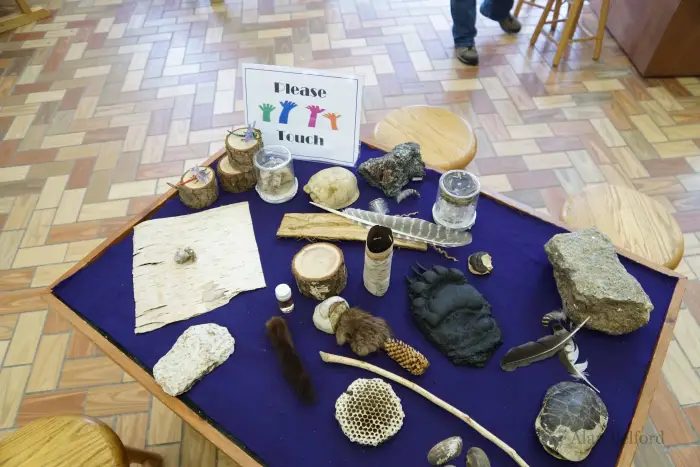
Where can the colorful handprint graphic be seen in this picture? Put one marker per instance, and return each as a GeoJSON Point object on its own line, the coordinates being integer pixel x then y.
{"type": "Point", "coordinates": [333, 118]}
{"type": "Point", "coordinates": [266, 110]}
{"type": "Point", "coordinates": [315, 110]}
{"type": "Point", "coordinates": [287, 107]}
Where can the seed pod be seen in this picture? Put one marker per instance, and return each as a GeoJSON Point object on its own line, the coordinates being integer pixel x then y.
{"type": "Point", "coordinates": [480, 263]}
{"type": "Point", "coordinates": [409, 358]}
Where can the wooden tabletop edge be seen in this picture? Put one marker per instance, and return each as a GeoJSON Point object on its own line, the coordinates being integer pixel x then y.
{"type": "Point", "coordinates": [146, 380]}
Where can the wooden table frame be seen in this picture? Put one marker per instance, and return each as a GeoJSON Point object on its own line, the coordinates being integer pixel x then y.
{"type": "Point", "coordinates": [237, 453]}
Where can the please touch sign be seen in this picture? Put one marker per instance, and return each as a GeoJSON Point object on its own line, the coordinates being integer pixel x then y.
{"type": "Point", "coordinates": [315, 114]}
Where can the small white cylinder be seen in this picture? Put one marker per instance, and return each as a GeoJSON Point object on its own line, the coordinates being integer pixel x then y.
{"type": "Point", "coordinates": [379, 251]}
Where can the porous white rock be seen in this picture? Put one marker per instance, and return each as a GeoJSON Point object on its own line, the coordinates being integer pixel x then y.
{"type": "Point", "coordinates": [327, 313]}
{"type": "Point", "coordinates": [196, 352]}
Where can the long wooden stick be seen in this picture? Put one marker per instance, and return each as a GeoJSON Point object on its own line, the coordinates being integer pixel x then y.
{"type": "Point", "coordinates": [331, 358]}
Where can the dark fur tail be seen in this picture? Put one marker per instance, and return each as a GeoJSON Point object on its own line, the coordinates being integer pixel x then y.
{"type": "Point", "coordinates": [292, 368]}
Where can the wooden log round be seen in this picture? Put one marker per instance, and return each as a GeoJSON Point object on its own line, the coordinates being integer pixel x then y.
{"type": "Point", "coordinates": [195, 194]}
{"type": "Point", "coordinates": [234, 180]}
{"type": "Point", "coordinates": [240, 152]}
{"type": "Point", "coordinates": [319, 270]}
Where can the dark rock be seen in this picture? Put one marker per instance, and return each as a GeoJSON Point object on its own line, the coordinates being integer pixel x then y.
{"type": "Point", "coordinates": [572, 420]}
{"type": "Point", "coordinates": [454, 316]}
{"type": "Point", "coordinates": [592, 282]}
{"type": "Point", "coordinates": [394, 170]}
{"type": "Point", "coordinates": [476, 457]}
{"type": "Point", "coordinates": [445, 451]}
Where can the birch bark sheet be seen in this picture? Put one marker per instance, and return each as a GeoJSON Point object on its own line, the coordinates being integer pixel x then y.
{"type": "Point", "coordinates": [227, 263]}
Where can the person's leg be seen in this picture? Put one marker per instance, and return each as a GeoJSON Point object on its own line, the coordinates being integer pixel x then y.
{"type": "Point", "coordinates": [464, 19]}
{"type": "Point", "coordinates": [496, 10]}
{"type": "Point", "coordinates": [499, 10]}
{"type": "Point", "coordinates": [464, 30]}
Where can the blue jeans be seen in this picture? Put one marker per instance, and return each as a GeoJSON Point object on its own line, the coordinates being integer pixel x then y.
{"type": "Point", "coordinates": [464, 17]}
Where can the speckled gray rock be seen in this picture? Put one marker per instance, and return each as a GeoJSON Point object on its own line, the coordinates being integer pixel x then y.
{"type": "Point", "coordinates": [196, 352]}
{"type": "Point", "coordinates": [445, 451]}
{"type": "Point", "coordinates": [394, 170]}
{"type": "Point", "coordinates": [476, 457]}
{"type": "Point", "coordinates": [572, 420]}
{"type": "Point", "coordinates": [592, 282]}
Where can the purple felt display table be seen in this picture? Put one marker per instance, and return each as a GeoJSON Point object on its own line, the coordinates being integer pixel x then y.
{"type": "Point", "coordinates": [247, 400]}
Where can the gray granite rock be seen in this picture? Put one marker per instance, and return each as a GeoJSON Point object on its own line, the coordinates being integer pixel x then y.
{"type": "Point", "coordinates": [592, 282]}
{"type": "Point", "coordinates": [394, 170]}
{"type": "Point", "coordinates": [196, 352]}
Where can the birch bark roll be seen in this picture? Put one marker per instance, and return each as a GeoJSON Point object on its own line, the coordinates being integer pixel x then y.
{"type": "Point", "coordinates": [379, 250]}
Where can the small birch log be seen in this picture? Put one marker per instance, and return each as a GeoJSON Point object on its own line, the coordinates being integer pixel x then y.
{"type": "Point", "coordinates": [330, 358]}
{"type": "Point", "coordinates": [195, 194]}
{"type": "Point", "coordinates": [240, 152]}
{"type": "Point", "coordinates": [234, 180]}
{"type": "Point", "coordinates": [379, 250]}
{"type": "Point", "coordinates": [332, 227]}
{"type": "Point", "coordinates": [319, 271]}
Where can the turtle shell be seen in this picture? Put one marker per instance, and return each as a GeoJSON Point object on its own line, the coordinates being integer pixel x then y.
{"type": "Point", "coordinates": [335, 187]}
{"type": "Point", "coordinates": [572, 420]}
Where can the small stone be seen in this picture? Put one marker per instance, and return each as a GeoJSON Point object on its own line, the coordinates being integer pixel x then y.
{"type": "Point", "coordinates": [394, 170]}
{"type": "Point", "coordinates": [476, 457]}
{"type": "Point", "coordinates": [184, 255]}
{"type": "Point", "coordinates": [592, 282]}
{"type": "Point", "coordinates": [445, 451]}
{"type": "Point", "coordinates": [196, 352]}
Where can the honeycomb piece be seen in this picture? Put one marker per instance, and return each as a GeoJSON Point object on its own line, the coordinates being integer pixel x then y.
{"type": "Point", "coordinates": [369, 412]}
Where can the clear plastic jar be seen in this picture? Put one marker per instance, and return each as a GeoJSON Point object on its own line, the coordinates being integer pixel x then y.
{"type": "Point", "coordinates": [458, 195]}
{"type": "Point", "coordinates": [274, 170]}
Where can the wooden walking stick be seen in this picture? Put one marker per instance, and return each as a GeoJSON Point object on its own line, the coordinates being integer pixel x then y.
{"type": "Point", "coordinates": [331, 358]}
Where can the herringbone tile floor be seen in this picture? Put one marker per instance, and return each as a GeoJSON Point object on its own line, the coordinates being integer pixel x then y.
{"type": "Point", "coordinates": [107, 100]}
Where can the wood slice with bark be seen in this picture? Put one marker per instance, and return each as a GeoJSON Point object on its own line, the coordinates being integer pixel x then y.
{"type": "Point", "coordinates": [330, 227]}
{"type": "Point", "coordinates": [319, 271]}
{"type": "Point", "coordinates": [239, 151]}
{"type": "Point", "coordinates": [234, 180]}
{"type": "Point", "coordinates": [195, 194]}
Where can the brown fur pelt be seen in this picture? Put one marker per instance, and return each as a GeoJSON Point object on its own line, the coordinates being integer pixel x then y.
{"type": "Point", "coordinates": [292, 367]}
{"type": "Point", "coordinates": [365, 333]}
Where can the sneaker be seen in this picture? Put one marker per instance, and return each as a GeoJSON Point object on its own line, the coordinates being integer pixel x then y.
{"type": "Point", "coordinates": [511, 25]}
{"type": "Point", "coordinates": [467, 55]}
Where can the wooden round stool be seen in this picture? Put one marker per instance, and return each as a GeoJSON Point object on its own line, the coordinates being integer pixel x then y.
{"type": "Point", "coordinates": [70, 441]}
{"type": "Point", "coordinates": [446, 141]}
{"type": "Point", "coordinates": [631, 219]}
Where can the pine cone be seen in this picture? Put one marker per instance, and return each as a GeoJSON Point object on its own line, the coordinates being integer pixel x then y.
{"type": "Point", "coordinates": [406, 356]}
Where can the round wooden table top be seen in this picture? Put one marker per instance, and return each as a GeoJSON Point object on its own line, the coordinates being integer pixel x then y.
{"type": "Point", "coordinates": [63, 441]}
{"type": "Point", "coordinates": [446, 141]}
{"type": "Point", "coordinates": [631, 219]}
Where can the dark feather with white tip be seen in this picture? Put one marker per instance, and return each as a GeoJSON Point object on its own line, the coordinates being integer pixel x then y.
{"type": "Point", "coordinates": [542, 349]}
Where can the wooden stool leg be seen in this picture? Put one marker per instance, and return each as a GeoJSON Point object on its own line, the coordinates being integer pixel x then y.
{"type": "Point", "coordinates": [605, 6]}
{"type": "Point", "coordinates": [516, 12]}
{"type": "Point", "coordinates": [569, 28]}
{"type": "Point", "coordinates": [540, 24]}
{"type": "Point", "coordinates": [145, 458]}
{"type": "Point", "coordinates": [555, 16]}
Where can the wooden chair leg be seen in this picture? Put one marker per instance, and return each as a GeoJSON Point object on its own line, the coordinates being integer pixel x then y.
{"type": "Point", "coordinates": [145, 458]}
{"type": "Point", "coordinates": [519, 5]}
{"type": "Point", "coordinates": [605, 6]}
{"type": "Point", "coordinates": [555, 16]}
{"type": "Point", "coordinates": [569, 28]}
{"type": "Point", "coordinates": [540, 24]}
